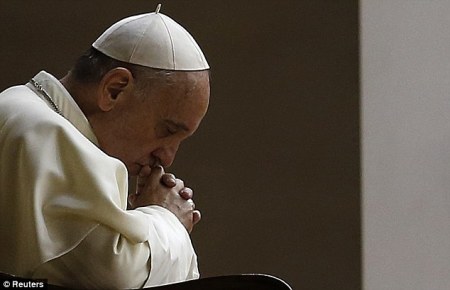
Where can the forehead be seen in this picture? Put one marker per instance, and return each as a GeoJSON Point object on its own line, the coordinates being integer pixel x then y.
{"type": "Point", "coordinates": [183, 98]}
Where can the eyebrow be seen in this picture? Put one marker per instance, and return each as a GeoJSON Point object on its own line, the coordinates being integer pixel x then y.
{"type": "Point", "coordinates": [176, 124]}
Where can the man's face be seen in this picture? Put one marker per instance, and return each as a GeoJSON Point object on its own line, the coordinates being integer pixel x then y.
{"type": "Point", "coordinates": [147, 130]}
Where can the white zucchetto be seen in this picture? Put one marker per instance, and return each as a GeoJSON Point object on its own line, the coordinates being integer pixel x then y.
{"type": "Point", "coordinates": [152, 40]}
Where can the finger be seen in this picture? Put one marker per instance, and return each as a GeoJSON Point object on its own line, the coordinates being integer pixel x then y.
{"type": "Point", "coordinates": [140, 184]}
{"type": "Point", "coordinates": [145, 171]}
{"type": "Point", "coordinates": [156, 174]}
{"type": "Point", "coordinates": [180, 183]}
{"type": "Point", "coordinates": [196, 217]}
{"type": "Point", "coordinates": [142, 178]}
{"type": "Point", "coordinates": [169, 180]}
{"type": "Point", "coordinates": [191, 204]}
{"type": "Point", "coordinates": [186, 193]}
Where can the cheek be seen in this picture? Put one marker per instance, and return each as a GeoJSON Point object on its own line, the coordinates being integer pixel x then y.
{"type": "Point", "coordinates": [144, 144]}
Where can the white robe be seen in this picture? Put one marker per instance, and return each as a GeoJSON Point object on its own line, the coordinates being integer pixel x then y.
{"type": "Point", "coordinates": [63, 203]}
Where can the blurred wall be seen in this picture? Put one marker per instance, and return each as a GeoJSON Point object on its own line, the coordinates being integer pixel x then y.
{"type": "Point", "coordinates": [275, 165]}
{"type": "Point", "coordinates": [406, 142]}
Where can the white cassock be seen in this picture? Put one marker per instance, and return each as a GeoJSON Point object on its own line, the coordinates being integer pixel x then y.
{"type": "Point", "coordinates": [63, 203]}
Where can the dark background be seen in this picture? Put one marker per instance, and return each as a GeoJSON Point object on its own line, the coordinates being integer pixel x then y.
{"type": "Point", "coordinates": [275, 165]}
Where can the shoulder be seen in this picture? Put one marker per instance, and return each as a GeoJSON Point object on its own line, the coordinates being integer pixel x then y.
{"type": "Point", "coordinates": [22, 111]}
{"type": "Point", "coordinates": [20, 104]}
{"type": "Point", "coordinates": [28, 121]}
{"type": "Point", "coordinates": [29, 124]}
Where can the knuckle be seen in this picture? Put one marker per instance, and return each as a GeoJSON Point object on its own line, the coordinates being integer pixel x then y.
{"type": "Point", "coordinates": [179, 182]}
{"type": "Point", "coordinates": [169, 175]}
{"type": "Point", "coordinates": [187, 190]}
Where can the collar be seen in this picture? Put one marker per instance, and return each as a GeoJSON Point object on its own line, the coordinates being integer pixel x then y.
{"type": "Point", "coordinates": [64, 101]}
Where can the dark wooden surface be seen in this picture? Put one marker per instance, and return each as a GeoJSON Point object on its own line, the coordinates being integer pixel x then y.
{"type": "Point", "coordinates": [231, 282]}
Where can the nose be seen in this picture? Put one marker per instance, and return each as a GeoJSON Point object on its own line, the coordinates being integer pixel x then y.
{"type": "Point", "coordinates": [166, 154]}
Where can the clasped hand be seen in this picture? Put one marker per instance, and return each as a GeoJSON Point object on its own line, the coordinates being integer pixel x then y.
{"type": "Point", "coordinates": [155, 187]}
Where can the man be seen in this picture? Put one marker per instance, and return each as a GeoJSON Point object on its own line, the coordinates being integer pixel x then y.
{"type": "Point", "coordinates": [69, 147]}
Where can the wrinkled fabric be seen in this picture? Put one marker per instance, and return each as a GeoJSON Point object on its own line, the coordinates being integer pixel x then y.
{"type": "Point", "coordinates": [61, 197]}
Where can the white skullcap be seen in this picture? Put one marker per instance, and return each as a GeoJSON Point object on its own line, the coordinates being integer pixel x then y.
{"type": "Point", "coordinates": [152, 40]}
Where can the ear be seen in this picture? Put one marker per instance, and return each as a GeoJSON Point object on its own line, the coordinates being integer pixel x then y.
{"type": "Point", "coordinates": [112, 86]}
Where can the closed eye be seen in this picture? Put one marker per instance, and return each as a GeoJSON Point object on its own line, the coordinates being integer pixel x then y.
{"type": "Point", "coordinates": [174, 127]}
{"type": "Point", "coordinates": [171, 131]}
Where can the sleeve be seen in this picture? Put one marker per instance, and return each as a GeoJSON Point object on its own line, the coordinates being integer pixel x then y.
{"type": "Point", "coordinates": [105, 259]}
{"type": "Point", "coordinates": [173, 258]}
